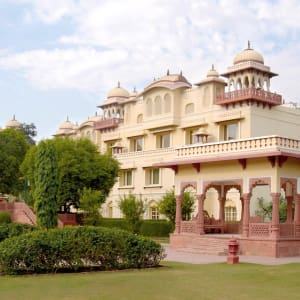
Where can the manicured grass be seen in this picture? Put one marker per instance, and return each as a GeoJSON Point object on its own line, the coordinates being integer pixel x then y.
{"type": "Point", "coordinates": [174, 281]}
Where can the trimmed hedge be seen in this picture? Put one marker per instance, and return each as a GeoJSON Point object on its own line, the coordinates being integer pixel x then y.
{"type": "Point", "coordinates": [77, 248]}
{"type": "Point", "coordinates": [5, 217]}
{"type": "Point", "coordinates": [156, 228]}
{"type": "Point", "coordinates": [14, 229]}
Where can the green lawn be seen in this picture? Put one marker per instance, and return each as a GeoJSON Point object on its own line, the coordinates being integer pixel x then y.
{"type": "Point", "coordinates": [173, 281]}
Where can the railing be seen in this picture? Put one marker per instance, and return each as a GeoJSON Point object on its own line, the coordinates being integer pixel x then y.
{"type": "Point", "coordinates": [248, 94]}
{"type": "Point", "coordinates": [107, 123]}
{"type": "Point", "coordinates": [287, 230]}
{"type": "Point", "coordinates": [160, 152]}
{"type": "Point", "coordinates": [188, 226]}
{"type": "Point", "coordinates": [259, 229]}
{"type": "Point", "coordinates": [242, 145]}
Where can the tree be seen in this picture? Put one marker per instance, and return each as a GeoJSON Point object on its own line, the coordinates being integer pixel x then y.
{"type": "Point", "coordinates": [29, 130]}
{"type": "Point", "coordinates": [45, 178]}
{"type": "Point", "coordinates": [90, 202]}
{"type": "Point", "coordinates": [167, 205]}
{"type": "Point", "coordinates": [265, 209]}
{"type": "Point", "coordinates": [13, 148]}
{"type": "Point", "coordinates": [79, 166]}
{"type": "Point", "coordinates": [132, 209]}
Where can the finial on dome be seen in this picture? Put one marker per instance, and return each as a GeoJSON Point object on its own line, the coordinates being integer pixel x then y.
{"type": "Point", "coordinates": [153, 78]}
{"type": "Point", "coordinates": [249, 47]}
{"type": "Point", "coordinates": [118, 84]}
{"type": "Point", "coordinates": [67, 118]}
{"type": "Point", "coordinates": [168, 72]}
{"type": "Point", "coordinates": [180, 73]}
{"type": "Point", "coordinates": [96, 114]}
{"type": "Point", "coordinates": [14, 117]}
{"type": "Point", "coordinates": [134, 90]}
{"type": "Point", "coordinates": [213, 67]}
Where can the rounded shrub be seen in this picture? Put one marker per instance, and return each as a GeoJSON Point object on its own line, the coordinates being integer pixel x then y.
{"type": "Point", "coordinates": [77, 248]}
{"type": "Point", "coordinates": [5, 217]}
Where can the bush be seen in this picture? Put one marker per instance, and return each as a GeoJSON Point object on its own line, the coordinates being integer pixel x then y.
{"type": "Point", "coordinates": [14, 229]}
{"type": "Point", "coordinates": [77, 248]}
{"type": "Point", "coordinates": [5, 217]}
{"type": "Point", "coordinates": [156, 228]}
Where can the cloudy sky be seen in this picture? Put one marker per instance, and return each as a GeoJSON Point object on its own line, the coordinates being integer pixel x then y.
{"type": "Point", "coordinates": [59, 58]}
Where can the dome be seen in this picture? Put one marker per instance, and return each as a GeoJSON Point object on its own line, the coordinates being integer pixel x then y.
{"type": "Point", "coordinates": [67, 125]}
{"type": "Point", "coordinates": [248, 55]}
{"type": "Point", "coordinates": [212, 73]}
{"type": "Point", "coordinates": [13, 123]}
{"type": "Point", "coordinates": [118, 92]}
{"type": "Point", "coordinates": [133, 94]}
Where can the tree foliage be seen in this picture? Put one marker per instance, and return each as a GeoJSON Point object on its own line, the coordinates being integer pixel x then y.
{"type": "Point", "coordinates": [167, 205]}
{"type": "Point", "coordinates": [29, 130]}
{"type": "Point", "coordinates": [79, 166]}
{"type": "Point", "coordinates": [90, 201]}
{"type": "Point", "coordinates": [265, 209]}
{"type": "Point", "coordinates": [132, 209]}
{"type": "Point", "coordinates": [13, 148]}
{"type": "Point", "coordinates": [45, 178]}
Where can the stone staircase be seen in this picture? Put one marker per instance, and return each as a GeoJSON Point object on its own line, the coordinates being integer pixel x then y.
{"type": "Point", "coordinates": [203, 245]}
{"type": "Point", "coordinates": [20, 212]}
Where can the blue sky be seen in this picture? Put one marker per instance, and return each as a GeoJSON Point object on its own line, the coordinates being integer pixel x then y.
{"type": "Point", "coordinates": [60, 58]}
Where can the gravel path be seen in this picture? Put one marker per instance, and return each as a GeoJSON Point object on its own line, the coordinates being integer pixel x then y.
{"type": "Point", "coordinates": [193, 258]}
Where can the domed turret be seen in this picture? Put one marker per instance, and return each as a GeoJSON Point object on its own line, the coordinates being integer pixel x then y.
{"type": "Point", "coordinates": [212, 73]}
{"type": "Point", "coordinates": [13, 123]}
{"type": "Point", "coordinates": [118, 92]}
{"type": "Point", "coordinates": [248, 55]}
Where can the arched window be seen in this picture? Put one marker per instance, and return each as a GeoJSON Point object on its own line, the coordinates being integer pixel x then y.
{"type": "Point", "coordinates": [139, 118]}
{"type": "Point", "coordinates": [167, 103]}
{"type": "Point", "coordinates": [157, 105]}
{"type": "Point", "coordinates": [149, 107]}
{"type": "Point", "coordinates": [189, 108]}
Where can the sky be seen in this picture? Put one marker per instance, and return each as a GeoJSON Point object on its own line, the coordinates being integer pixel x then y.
{"type": "Point", "coordinates": [60, 58]}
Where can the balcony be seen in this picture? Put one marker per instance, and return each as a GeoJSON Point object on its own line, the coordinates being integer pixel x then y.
{"type": "Point", "coordinates": [243, 147]}
{"type": "Point", "coordinates": [249, 94]}
{"type": "Point", "coordinates": [107, 123]}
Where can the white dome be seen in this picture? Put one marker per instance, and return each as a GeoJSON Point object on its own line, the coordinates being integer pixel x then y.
{"type": "Point", "coordinates": [13, 123]}
{"type": "Point", "coordinates": [248, 55]}
{"type": "Point", "coordinates": [118, 92]}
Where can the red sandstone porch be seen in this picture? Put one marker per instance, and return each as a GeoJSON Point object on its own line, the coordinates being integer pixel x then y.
{"type": "Point", "coordinates": [274, 159]}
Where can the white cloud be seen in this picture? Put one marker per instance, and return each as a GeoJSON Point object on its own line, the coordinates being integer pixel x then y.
{"type": "Point", "coordinates": [133, 41]}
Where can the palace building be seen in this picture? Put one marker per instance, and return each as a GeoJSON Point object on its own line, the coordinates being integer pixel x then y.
{"type": "Point", "coordinates": [228, 140]}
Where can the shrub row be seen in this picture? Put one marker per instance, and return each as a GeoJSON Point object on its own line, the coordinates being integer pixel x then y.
{"type": "Point", "coordinates": [156, 228]}
{"type": "Point", "coordinates": [77, 248]}
{"type": "Point", "coordinates": [14, 229]}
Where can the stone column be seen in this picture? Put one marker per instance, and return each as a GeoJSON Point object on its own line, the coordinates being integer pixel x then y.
{"type": "Point", "coordinates": [246, 213]}
{"type": "Point", "coordinates": [297, 215]}
{"type": "Point", "coordinates": [221, 209]}
{"type": "Point", "coordinates": [200, 219]}
{"type": "Point", "coordinates": [289, 213]}
{"type": "Point", "coordinates": [275, 233]}
{"type": "Point", "coordinates": [178, 216]}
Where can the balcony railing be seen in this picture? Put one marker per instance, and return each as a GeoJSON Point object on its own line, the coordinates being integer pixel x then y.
{"type": "Point", "coordinates": [252, 145]}
{"type": "Point", "coordinates": [107, 123]}
{"type": "Point", "coordinates": [259, 95]}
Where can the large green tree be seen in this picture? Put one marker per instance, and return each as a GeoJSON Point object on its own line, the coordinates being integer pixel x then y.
{"type": "Point", "coordinates": [45, 178]}
{"type": "Point", "coordinates": [30, 132]}
{"type": "Point", "coordinates": [79, 166]}
{"type": "Point", "coordinates": [13, 147]}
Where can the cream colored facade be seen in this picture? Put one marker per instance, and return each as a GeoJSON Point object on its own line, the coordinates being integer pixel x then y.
{"type": "Point", "coordinates": [172, 120]}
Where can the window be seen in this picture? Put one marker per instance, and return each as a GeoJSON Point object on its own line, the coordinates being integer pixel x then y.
{"type": "Point", "coordinates": [163, 140]}
{"type": "Point", "coordinates": [136, 144]}
{"type": "Point", "coordinates": [153, 213]}
{"type": "Point", "coordinates": [152, 176]}
{"type": "Point", "coordinates": [126, 178]}
{"type": "Point", "coordinates": [167, 103]}
{"type": "Point", "coordinates": [231, 131]}
{"type": "Point", "coordinates": [109, 146]}
{"type": "Point", "coordinates": [139, 118]}
{"type": "Point", "coordinates": [157, 105]}
{"type": "Point", "coordinates": [110, 210]}
{"type": "Point", "coordinates": [190, 137]}
{"type": "Point", "coordinates": [230, 214]}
